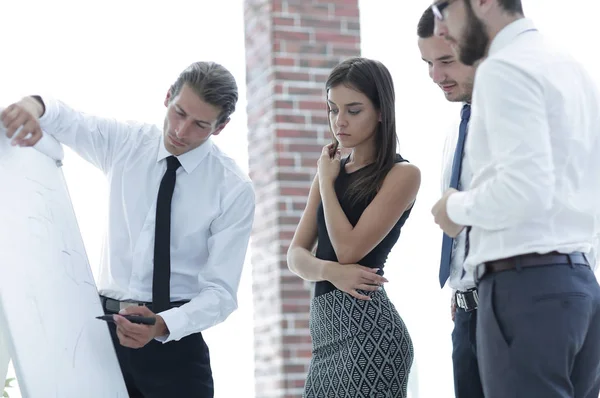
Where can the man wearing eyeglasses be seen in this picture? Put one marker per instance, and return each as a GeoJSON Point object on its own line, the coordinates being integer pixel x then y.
{"type": "Point", "coordinates": [456, 81]}
{"type": "Point", "coordinates": [531, 209]}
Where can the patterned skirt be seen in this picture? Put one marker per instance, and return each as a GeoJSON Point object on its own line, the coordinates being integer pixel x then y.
{"type": "Point", "coordinates": [360, 348]}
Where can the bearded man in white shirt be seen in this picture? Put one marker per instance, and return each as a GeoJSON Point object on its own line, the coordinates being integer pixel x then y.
{"type": "Point", "coordinates": [180, 218]}
{"type": "Point", "coordinates": [530, 211]}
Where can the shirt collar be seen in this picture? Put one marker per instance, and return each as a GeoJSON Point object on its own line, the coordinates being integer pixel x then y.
{"type": "Point", "coordinates": [509, 33]}
{"type": "Point", "coordinates": [189, 160]}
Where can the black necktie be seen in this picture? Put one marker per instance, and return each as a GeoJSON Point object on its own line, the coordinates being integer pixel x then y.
{"type": "Point", "coordinates": [161, 279]}
{"type": "Point", "coordinates": [448, 242]}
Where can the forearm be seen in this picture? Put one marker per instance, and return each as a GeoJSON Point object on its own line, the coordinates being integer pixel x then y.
{"type": "Point", "coordinates": [98, 140]}
{"type": "Point", "coordinates": [304, 264]}
{"type": "Point", "coordinates": [80, 132]}
{"type": "Point", "coordinates": [338, 227]}
{"type": "Point", "coordinates": [35, 104]}
{"type": "Point", "coordinates": [515, 138]}
{"type": "Point", "coordinates": [504, 201]}
{"type": "Point", "coordinates": [219, 277]}
{"type": "Point", "coordinates": [212, 306]}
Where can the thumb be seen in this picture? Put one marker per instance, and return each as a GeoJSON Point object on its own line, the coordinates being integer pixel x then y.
{"type": "Point", "coordinates": [136, 310]}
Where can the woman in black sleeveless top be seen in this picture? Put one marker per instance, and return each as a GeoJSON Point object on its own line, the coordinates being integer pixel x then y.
{"type": "Point", "coordinates": [355, 210]}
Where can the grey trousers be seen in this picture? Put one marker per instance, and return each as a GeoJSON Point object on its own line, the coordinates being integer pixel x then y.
{"type": "Point", "coordinates": [538, 333]}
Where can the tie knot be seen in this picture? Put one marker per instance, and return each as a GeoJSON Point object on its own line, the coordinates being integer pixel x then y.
{"type": "Point", "coordinates": [465, 113]}
{"type": "Point", "coordinates": [173, 163]}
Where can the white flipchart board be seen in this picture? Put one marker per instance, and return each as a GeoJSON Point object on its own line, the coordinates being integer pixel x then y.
{"type": "Point", "coordinates": [48, 298]}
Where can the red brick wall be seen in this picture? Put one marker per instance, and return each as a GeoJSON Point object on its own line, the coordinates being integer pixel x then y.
{"type": "Point", "coordinates": [291, 46]}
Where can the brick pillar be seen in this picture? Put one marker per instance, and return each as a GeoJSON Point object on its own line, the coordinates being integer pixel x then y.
{"type": "Point", "coordinates": [291, 46]}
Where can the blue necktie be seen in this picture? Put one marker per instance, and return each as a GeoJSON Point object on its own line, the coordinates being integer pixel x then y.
{"type": "Point", "coordinates": [447, 241]}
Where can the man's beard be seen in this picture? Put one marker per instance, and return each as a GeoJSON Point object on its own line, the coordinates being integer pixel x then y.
{"type": "Point", "coordinates": [475, 39]}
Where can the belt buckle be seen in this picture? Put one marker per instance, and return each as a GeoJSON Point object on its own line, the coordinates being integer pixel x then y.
{"type": "Point", "coordinates": [468, 304]}
{"type": "Point", "coordinates": [476, 298]}
{"type": "Point", "coordinates": [460, 301]}
{"type": "Point", "coordinates": [474, 301]}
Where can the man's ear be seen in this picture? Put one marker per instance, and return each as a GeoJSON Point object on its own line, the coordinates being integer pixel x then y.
{"type": "Point", "coordinates": [168, 97]}
{"type": "Point", "coordinates": [482, 7]}
{"type": "Point", "coordinates": [221, 127]}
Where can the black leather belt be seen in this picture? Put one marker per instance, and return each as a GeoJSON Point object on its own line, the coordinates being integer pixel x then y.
{"type": "Point", "coordinates": [467, 300]}
{"type": "Point", "coordinates": [114, 306]}
{"type": "Point", "coordinates": [536, 260]}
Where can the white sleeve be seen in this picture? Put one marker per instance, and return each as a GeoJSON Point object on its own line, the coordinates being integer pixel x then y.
{"type": "Point", "coordinates": [512, 106]}
{"type": "Point", "coordinates": [227, 245]}
{"type": "Point", "coordinates": [95, 139]}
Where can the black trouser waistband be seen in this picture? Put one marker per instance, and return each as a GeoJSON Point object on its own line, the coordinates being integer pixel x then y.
{"type": "Point", "coordinates": [114, 306]}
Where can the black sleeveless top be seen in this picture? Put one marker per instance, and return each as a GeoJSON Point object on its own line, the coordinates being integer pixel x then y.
{"type": "Point", "coordinates": [374, 259]}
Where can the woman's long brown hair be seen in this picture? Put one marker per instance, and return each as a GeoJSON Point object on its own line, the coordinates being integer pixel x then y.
{"type": "Point", "coordinates": [373, 79]}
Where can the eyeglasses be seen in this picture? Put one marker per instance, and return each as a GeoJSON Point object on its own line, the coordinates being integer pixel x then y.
{"type": "Point", "coordinates": [438, 9]}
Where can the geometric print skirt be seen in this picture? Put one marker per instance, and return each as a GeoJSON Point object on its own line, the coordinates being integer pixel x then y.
{"type": "Point", "coordinates": [360, 348]}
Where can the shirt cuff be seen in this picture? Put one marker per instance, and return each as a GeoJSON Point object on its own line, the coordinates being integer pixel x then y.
{"type": "Point", "coordinates": [456, 208]}
{"type": "Point", "coordinates": [176, 320]}
{"type": "Point", "coordinates": [50, 110]}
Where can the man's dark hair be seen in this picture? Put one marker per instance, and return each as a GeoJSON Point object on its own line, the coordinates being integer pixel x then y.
{"type": "Point", "coordinates": [512, 6]}
{"type": "Point", "coordinates": [426, 24]}
{"type": "Point", "coordinates": [211, 82]}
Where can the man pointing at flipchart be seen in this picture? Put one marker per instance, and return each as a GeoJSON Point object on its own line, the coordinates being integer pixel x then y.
{"type": "Point", "coordinates": [180, 218]}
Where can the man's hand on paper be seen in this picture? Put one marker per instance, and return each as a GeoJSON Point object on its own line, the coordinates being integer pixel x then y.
{"type": "Point", "coordinates": [21, 121]}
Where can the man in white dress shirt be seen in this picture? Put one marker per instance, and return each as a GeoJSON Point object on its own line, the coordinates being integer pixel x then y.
{"type": "Point", "coordinates": [186, 270]}
{"type": "Point", "coordinates": [456, 81]}
{"type": "Point", "coordinates": [530, 211]}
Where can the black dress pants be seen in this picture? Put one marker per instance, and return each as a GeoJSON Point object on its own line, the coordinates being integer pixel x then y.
{"type": "Point", "coordinates": [174, 369]}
